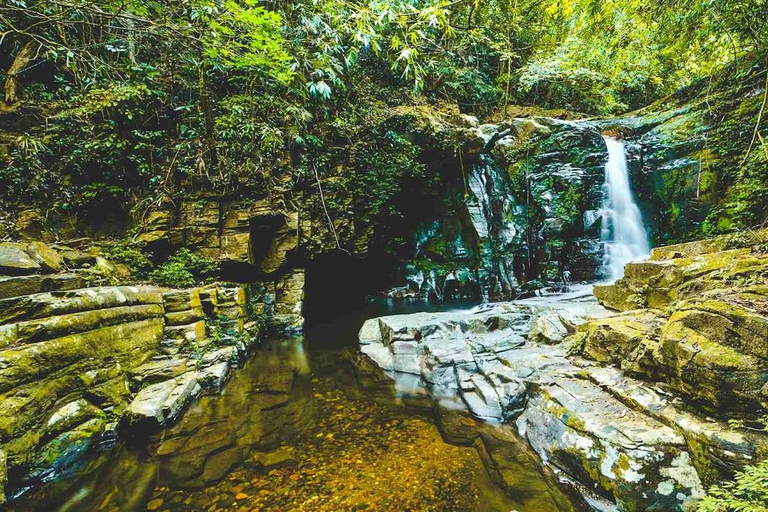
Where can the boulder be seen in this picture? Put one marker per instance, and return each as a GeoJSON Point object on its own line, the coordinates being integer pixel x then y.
{"type": "Point", "coordinates": [48, 259]}
{"type": "Point", "coordinates": [14, 260]}
{"type": "Point", "coordinates": [161, 404]}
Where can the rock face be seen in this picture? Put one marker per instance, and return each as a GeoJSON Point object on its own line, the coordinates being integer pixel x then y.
{"type": "Point", "coordinates": [704, 327]}
{"type": "Point", "coordinates": [254, 240]}
{"type": "Point", "coordinates": [498, 206]}
{"type": "Point", "coordinates": [75, 366]}
{"type": "Point", "coordinates": [526, 210]}
{"type": "Point", "coordinates": [616, 430]}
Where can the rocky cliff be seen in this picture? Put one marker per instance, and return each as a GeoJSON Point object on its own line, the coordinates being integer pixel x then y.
{"type": "Point", "coordinates": [440, 204]}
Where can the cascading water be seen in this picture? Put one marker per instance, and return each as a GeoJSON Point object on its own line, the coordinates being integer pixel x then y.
{"type": "Point", "coordinates": [623, 232]}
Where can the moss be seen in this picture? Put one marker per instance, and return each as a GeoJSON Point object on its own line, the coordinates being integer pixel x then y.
{"type": "Point", "coordinates": [702, 459]}
{"type": "Point", "coordinates": [129, 253]}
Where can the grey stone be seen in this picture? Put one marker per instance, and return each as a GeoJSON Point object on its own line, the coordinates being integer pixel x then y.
{"type": "Point", "coordinates": [161, 404]}
{"type": "Point", "coordinates": [213, 377]}
{"type": "Point", "coordinates": [14, 260]}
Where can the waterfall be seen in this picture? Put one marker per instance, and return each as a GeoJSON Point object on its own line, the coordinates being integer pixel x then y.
{"type": "Point", "coordinates": [623, 230]}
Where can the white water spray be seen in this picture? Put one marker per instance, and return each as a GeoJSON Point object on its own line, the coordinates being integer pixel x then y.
{"type": "Point", "coordinates": [623, 230]}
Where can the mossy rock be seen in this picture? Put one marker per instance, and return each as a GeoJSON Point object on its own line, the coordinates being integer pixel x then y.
{"type": "Point", "coordinates": [48, 259]}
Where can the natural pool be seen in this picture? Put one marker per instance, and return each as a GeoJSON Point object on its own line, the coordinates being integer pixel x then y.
{"type": "Point", "coordinates": [309, 424]}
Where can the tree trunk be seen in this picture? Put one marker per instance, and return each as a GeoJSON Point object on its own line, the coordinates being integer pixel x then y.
{"type": "Point", "coordinates": [22, 60]}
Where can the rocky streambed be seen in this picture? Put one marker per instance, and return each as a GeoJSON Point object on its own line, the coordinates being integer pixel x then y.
{"type": "Point", "coordinates": [631, 407]}
{"type": "Point", "coordinates": [299, 429]}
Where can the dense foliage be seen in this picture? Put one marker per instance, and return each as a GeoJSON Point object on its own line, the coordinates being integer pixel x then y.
{"type": "Point", "coordinates": [144, 98]}
{"type": "Point", "coordinates": [747, 493]}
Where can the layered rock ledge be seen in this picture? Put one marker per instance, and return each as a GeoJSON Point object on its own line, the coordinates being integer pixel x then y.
{"type": "Point", "coordinates": [631, 404]}
{"type": "Point", "coordinates": [79, 367]}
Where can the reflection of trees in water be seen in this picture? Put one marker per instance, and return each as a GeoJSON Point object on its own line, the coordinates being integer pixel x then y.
{"type": "Point", "coordinates": [277, 398]}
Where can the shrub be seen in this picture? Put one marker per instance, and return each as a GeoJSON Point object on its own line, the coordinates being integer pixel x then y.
{"type": "Point", "coordinates": [748, 492]}
{"type": "Point", "coordinates": [129, 253]}
{"type": "Point", "coordinates": [184, 269]}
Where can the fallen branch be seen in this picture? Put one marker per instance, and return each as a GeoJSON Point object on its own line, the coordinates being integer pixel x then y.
{"type": "Point", "coordinates": [759, 120]}
{"type": "Point", "coordinates": [327, 215]}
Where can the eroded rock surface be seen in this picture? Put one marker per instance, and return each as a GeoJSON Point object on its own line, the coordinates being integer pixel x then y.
{"type": "Point", "coordinates": [614, 430]}
{"type": "Point", "coordinates": [701, 325]}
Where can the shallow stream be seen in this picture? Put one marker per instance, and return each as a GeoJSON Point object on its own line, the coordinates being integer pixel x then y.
{"type": "Point", "coordinates": [309, 424]}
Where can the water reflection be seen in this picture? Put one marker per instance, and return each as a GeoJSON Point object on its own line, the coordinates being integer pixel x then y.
{"type": "Point", "coordinates": [299, 430]}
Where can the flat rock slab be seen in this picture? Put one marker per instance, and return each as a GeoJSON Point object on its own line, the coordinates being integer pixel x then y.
{"type": "Point", "coordinates": [14, 260]}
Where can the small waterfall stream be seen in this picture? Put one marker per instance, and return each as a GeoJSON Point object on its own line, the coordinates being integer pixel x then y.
{"type": "Point", "coordinates": [623, 231]}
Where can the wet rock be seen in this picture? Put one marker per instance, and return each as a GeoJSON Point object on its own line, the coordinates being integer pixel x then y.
{"type": "Point", "coordinates": [222, 355]}
{"type": "Point", "coordinates": [66, 359]}
{"type": "Point", "coordinates": [289, 300]}
{"type": "Point", "coordinates": [60, 454]}
{"type": "Point", "coordinates": [161, 404]}
{"type": "Point", "coordinates": [614, 434]}
{"type": "Point", "coordinates": [69, 416]}
{"type": "Point", "coordinates": [14, 260]}
{"type": "Point", "coordinates": [213, 377]}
